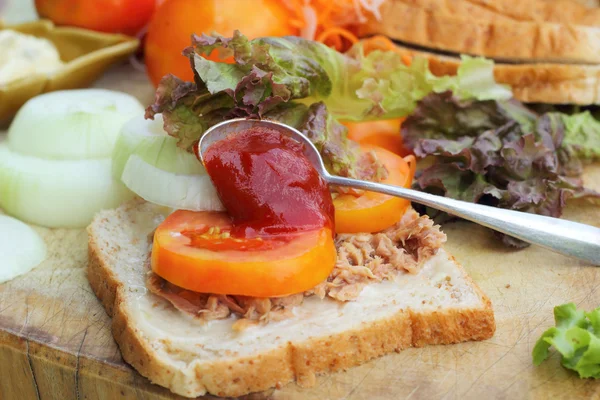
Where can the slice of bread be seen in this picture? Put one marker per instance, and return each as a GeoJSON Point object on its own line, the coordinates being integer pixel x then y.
{"type": "Point", "coordinates": [531, 83]}
{"type": "Point", "coordinates": [554, 11]}
{"type": "Point", "coordinates": [586, 3]}
{"type": "Point", "coordinates": [503, 40]}
{"type": "Point", "coordinates": [440, 304]}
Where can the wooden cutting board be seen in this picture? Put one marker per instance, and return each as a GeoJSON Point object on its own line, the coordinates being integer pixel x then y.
{"type": "Point", "coordinates": [55, 339]}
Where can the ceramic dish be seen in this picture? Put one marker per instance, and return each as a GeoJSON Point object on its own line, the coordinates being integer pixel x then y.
{"type": "Point", "coordinates": [86, 55]}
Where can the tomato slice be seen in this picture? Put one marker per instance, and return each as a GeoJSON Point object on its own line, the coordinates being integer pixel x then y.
{"type": "Point", "coordinates": [384, 133]}
{"type": "Point", "coordinates": [194, 251]}
{"type": "Point", "coordinates": [374, 212]}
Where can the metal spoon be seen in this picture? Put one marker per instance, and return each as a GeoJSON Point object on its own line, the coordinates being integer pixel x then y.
{"type": "Point", "coordinates": [566, 237]}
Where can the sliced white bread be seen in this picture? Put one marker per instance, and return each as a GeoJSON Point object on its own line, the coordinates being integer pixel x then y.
{"type": "Point", "coordinates": [555, 11]}
{"type": "Point", "coordinates": [586, 3]}
{"type": "Point", "coordinates": [531, 83]}
{"type": "Point", "coordinates": [440, 304]}
{"type": "Point", "coordinates": [503, 40]}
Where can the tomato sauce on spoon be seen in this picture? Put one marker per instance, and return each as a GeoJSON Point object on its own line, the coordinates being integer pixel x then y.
{"type": "Point", "coordinates": [267, 185]}
{"type": "Point", "coordinates": [276, 237]}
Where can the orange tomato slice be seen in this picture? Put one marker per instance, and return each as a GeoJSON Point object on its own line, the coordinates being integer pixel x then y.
{"type": "Point", "coordinates": [384, 133]}
{"type": "Point", "coordinates": [374, 212]}
{"type": "Point", "coordinates": [193, 250]}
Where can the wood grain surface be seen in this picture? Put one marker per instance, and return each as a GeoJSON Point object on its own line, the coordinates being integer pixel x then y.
{"type": "Point", "coordinates": [55, 340]}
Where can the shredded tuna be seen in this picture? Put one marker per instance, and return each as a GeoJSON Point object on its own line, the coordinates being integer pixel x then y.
{"type": "Point", "coordinates": [213, 306]}
{"type": "Point", "coordinates": [203, 305]}
{"type": "Point", "coordinates": [362, 259]}
{"type": "Point", "coordinates": [366, 258]}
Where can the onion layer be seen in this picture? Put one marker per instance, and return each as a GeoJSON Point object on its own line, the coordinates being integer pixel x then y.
{"type": "Point", "coordinates": [21, 247]}
{"type": "Point", "coordinates": [74, 124]}
{"type": "Point", "coordinates": [53, 193]}
{"type": "Point", "coordinates": [179, 191]}
{"type": "Point", "coordinates": [148, 140]}
{"type": "Point", "coordinates": [152, 166]}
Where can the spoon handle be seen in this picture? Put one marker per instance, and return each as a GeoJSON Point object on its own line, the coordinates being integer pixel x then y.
{"type": "Point", "coordinates": [566, 237]}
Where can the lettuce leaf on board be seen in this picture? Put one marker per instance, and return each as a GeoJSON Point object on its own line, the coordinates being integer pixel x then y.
{"type": "Point", "coordinates": [576, 337]}
{"type": "Point", "coordinates": [311, 85]}
{"type": "Point", "coordinates": [496, 153]}
{"type": "Point", "coordinates": [583, 134]}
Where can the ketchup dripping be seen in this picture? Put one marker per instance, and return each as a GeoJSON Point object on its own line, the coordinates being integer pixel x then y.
{"type": "Point", "coordinates": [267, 185]}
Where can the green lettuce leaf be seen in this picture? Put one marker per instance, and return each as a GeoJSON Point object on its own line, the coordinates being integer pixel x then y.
{"type": "Point", "coordinates": [308, 86]}
{"type": "Point", "coordinates": [494, 152]}
{"type": "Point", "coordinates": [341, 156]}
{"type": "Point", "coordinates": [189, 111]}
{"type": "Point", "coordinates": [576, 337]}
{"type": "Point", "coordinates": [582, 134]}
{"type": "Point", "coordinates": [353, 85]}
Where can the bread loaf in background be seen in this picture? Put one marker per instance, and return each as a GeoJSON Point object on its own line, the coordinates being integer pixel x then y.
{"type": "Point", "coordinates": [587, 3]}
{"type": "Point", "coordinates": [547, 50]}
{"type": "Point", "coordinates": [550, 11]}
{"type": "Point", "coordinates": [500, 39]}
{"type": "Point", "coordinates": [531, 83]}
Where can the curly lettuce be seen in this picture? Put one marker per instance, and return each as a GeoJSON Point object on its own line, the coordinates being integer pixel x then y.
{"type": "Point", "coordinates": [353, 86]}
{"type": "Point", "coordinates": [576, 337]}
{"type": "Point", "coordinates": [311, 87]}
{"type": "Point", "coordinates": [582, 134]}
{"type": "Point", "coordinates": [496, 153]}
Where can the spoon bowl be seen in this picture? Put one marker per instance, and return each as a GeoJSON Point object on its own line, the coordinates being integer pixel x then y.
{"type": "Point", "coordinates": [566, 237]}
{"type": "Point", "coordinates": [231, 127]}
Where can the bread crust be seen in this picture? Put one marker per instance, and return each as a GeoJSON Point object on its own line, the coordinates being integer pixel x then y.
{"type": "Point", "coordinates": [541, 11]}
{"type": "Point", "coordinates": [586, 3]}
{"type": "Point", "coordinates": [236, 376]}
{"type": "Point", "coordinates": [531, 83]}
{"type": "Point", "coordinates": [498, 39]}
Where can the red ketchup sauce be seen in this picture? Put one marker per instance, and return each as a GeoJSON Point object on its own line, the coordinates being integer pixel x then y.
{"type": "Point", "coordinates": [267, 185]}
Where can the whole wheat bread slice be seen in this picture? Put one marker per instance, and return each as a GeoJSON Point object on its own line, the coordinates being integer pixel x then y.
{"type": "Point", "coordinates": [505, 40]}
{"type": "Point", "coordinates": [530, 83]}
{"type": "Point", "coordinates": [585, 3]}
{"type": "Point", "coordinates": [541, 11]}
{"type": "Point", "coordinates": [438, 305]}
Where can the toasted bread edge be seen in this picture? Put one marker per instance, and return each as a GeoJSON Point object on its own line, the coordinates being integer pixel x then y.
{"type": "Point", "coordinates": [524, 41]}
{"type": "Point", "coordinates": [295, 361]}
{"type": "Point", "coordinates": [530, 83]}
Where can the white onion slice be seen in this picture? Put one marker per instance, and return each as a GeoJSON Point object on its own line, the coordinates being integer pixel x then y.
{"type": "Point", "coordinates": [152, 166]}
{"type": "Point", "coordinates": [21, 248]}
{"type": "Point", "coordinates": [148, 140]}
{"type": "Point", "coordinates": [73, 124]}
{"type": "Point", "coordinates": [53, 193]}
{"type": "Point", "coordinates": [179, 191]}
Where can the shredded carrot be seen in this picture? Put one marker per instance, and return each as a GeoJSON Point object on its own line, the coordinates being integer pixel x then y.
{"type": "Point", "coordinates": [296, 23]}
{"type": "Point", "coordinates": [330, 13]}
{"type": "Point", "coordinates": [295, 7]}
{"type": "Point", "coordinates": [407, 60]}
{"type": "Point", "coordinates": [325, 14]}
{"type": "Point", "coordinates": [337, 34]}
{"type": "Point", "coordinates": [383, 43]}
{"type": "Point", "coordinates": [378, 42]}
{"type": "Point", "coordinates": [336, 23]}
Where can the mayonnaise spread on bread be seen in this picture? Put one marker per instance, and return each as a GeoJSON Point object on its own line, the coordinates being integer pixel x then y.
{"type": "Point", "coordinates": [439, 285]}
{"type": "Point", "coordinates": [362, 259]}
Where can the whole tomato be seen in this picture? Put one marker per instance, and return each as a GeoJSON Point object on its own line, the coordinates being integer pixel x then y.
{"type": "Point", "coordinates": [114, 16]}
{"type": "Point", "coordinates": [175, 21]}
